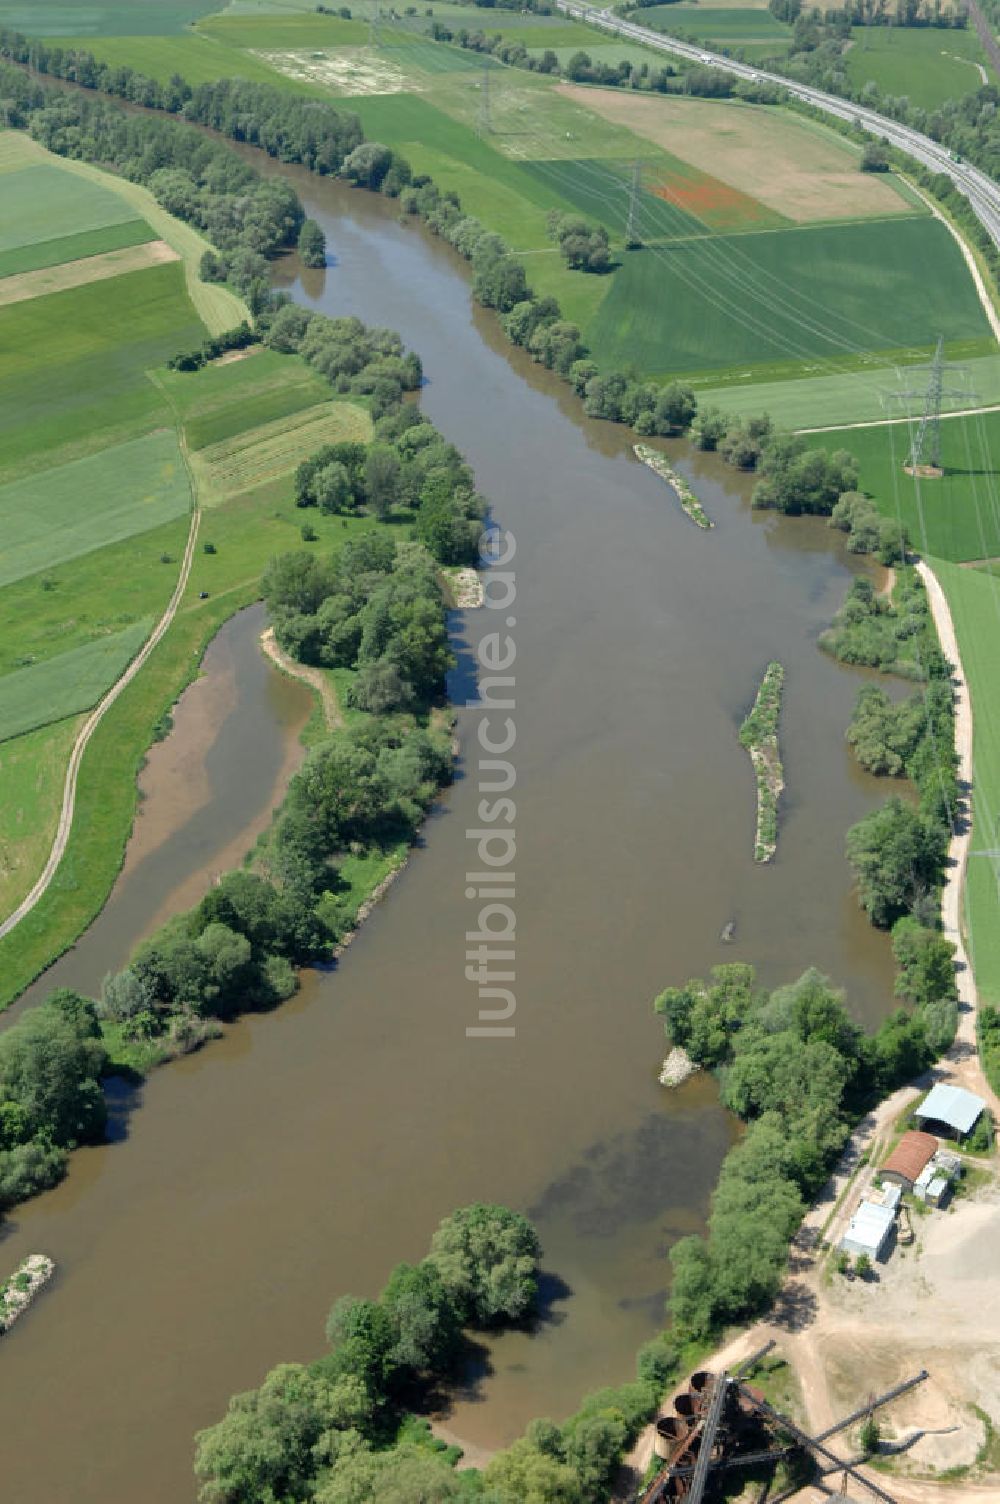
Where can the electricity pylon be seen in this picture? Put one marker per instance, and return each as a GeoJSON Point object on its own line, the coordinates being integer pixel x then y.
{"type": "Point", "coordinates": [632, 241]}
{"type": "Point", "coordinates": [373, 20]}
{"type": "Point", "coordinates": [925, 450]}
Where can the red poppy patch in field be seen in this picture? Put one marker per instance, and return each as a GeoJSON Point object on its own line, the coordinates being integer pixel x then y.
{"type": "Point", "coordinates": [716, 204]}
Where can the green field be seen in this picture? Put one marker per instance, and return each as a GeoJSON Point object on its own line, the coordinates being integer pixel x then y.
{"type": "Point", "coordinates": [732, 25]}
{"type": "Point", "coordinates": [198, 57]}
{"type": "Point", "coordinates": [84, 18]}
{"type": "Point", "coordinates": [286, 32]}
{"type": "Point", "coordinates": [69, 683]}
{"type": "Point", "coordinates": [974, 598]}
{"type": "Point", "coordinates": [55, 515]}
{"type": "Point", "coordinates": [70, 604]}
{"type": "Point", "coordinates": [31, 777]}
{"type": "Point", "coordinates": [805, 294]}
{"type": "Point", "coordinates": [954, 518]}
{"type": "Point", "coordinates": [927, 64]}
{"type": "Point", "coordinates": [72, 365]}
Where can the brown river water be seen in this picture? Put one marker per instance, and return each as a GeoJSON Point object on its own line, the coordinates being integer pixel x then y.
{"type": "Point", "coordinates": [312, 1148]}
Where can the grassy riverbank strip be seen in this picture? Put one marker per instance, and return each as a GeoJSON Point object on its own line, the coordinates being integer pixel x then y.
{"type": "Point", "coordinates": [17, 1293]}
{"type": "Point", "coordinates": [759, 735]}
{"type": "Point", "coordinates": [688, 500]}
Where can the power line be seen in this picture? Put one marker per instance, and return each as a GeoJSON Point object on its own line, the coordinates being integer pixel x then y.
{"type": "Point", "coordinates": [485, 126]}
{"type": "Point", "coordinates": [632, 241]}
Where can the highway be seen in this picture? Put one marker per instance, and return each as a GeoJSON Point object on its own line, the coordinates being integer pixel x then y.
{"type": "Point", "coordinates": [981, 191]}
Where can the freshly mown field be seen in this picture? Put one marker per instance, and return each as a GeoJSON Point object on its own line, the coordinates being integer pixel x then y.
{"type": "Point", "coordinates": [955, 518]}
{"type": "Point", "coordinates": [85, 18]}
{"type": "Point", "coordinates": [73, 365]}
{"type": "Point", "coordinates": [54, 515]}
{"type": "Point", "coordinates": [974, 598]}
{"type": "Point", "coordinates": [926, 64]}
{"type": "Point", "coordinates": [264, 454]}
{"type": "Point", "coordinates": [69, 683]}
{"type": "Point", "coordinates": [805, 294]}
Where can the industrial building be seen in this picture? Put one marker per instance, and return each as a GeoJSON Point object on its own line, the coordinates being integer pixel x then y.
{"type": "Point", "coordinates": [951, 1110]}
{"type": "Point", "coordinates": [871, 1231]}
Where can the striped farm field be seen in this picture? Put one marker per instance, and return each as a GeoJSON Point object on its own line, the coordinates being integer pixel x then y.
{"type": "Point", "coordinates": [59, 514]}
{"type": "Point", "coordinates": [804, 294]}
{"type": "Point", "coordinates": [42, 203]}
{"type": "Point", "coordinates": [66, 248]}
{"type": "Point", "coordinates": [43, 280]}
{"type": "Point", "coordinates": [67, 684]}
{"type": "Point", "coordinates": [265, 453]}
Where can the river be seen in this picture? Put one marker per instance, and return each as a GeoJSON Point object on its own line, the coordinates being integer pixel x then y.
{"type": "Point", "coordinates": [312, 1148]}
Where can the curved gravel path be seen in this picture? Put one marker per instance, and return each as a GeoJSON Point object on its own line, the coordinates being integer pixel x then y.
{"type": "Point", "coordinates": [86, 732]}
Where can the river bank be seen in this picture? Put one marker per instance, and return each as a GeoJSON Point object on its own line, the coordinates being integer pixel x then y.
{"type": "Point", "coordinates": [372, 1150]}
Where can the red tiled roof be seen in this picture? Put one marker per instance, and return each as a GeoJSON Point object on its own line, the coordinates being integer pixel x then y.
{"type": "Point", "coordinates": [913, 1152]}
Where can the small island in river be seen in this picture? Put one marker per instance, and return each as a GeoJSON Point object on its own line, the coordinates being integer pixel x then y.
{"type": "Point", "coordinates": [759, 734]}
{"type": "Point", "coordinates": [688, 500]}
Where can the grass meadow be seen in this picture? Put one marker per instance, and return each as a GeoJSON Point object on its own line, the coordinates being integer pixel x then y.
{"type": "Point", "coordinates": [68, 683]}
{"type": "Point", "coordinates": [54, 515]}
{"type": "Point", "coordinates": [31, 777]}
{"type": "Point", "coordinates": [956, 518]}
{"type": "Point", "coordinates": [40, 202]}
{"type": "Point", "coordinates": [974, 598]}
{"type": "Point", "coordinates": [72, 365]}
{"type": "Point", "coordinates": [198, 56]}
{"type": "Point", "coordinates": [927, 64]}
{"type": "Point", "coordinates": [70, 604]}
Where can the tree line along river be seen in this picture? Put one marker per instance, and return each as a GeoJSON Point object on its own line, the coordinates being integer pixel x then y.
{"type": "Point", "coordinates": [313, 1148]}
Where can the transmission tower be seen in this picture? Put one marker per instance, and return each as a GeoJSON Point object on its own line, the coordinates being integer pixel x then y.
{"type": "Point", "coordinates": [485, 120]}
{"type": "Point", "coordinates": [373, 20]}
{"type": "Point", "coordinates": [632, 241]}
{"type": "Point", "coordinates": [925, 450]}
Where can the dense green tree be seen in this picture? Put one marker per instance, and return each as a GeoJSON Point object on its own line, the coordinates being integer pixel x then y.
{"type": "Point", "coordinates": [487, 1257]}
{"type": "Point", "coordinates": [312, 244]}
{"type": "Point", "coordinates": [895, 854]}
{"type": "Point", "coordinates": [425, 1323]}
{"type": "Point", "coordinates": [273, 1441]}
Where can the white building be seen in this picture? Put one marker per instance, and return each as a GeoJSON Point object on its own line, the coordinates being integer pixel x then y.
{"type": "Point", "coordinates": [870, 1231]}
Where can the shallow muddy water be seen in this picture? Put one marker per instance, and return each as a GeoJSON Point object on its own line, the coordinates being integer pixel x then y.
{"type": "Point", "coordinates": [311, 1149]}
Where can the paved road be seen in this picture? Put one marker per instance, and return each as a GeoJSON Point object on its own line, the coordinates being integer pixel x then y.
{"type": "Point", "coordinates": [86, 732]}
{"type": "Point", "coordinates": [981, 191]}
